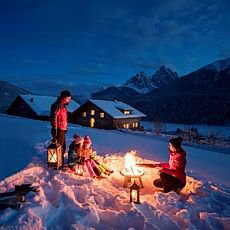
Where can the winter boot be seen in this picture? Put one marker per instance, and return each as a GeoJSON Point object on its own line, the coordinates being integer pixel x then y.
{"type": "Point", "coordinates": [158, 183]}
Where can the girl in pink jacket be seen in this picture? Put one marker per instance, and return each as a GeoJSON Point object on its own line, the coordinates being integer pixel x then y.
{"type": "Point", "coordinates": [172, 174]}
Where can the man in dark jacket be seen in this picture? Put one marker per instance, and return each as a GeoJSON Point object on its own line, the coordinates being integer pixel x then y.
{"type": "Point", "coordinates": [59, 119]}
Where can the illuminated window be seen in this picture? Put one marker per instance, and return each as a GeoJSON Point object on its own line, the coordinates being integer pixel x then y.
{"type": "Point", "coordinates": [84, 114]}
{"type": "Point", "coordinates": [92, 112]}
{"type": "Point", "coordinates": [126, 126]}
{"type": "Point", "coordinates": [126, 112]}
{"type": "Point", "coordinates": [102, 115]}
{"type": "Point", "coordinates": [135, 125]}
{"type": "Point", "coordinates": [92, 121]}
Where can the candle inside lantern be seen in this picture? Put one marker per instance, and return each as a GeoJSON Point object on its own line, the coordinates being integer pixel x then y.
{"type": "Point", "coordinates": [134, 195]}
{"type": "Point", "coordinates": [79, 170]}
{"type": "Point", "coordinates": [53, 158]}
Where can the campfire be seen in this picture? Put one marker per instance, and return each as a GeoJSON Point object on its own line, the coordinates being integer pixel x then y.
{"type": "Point", "coordinates": [130, 165]}
{"type": "Point", "coordinates": [131, 171]}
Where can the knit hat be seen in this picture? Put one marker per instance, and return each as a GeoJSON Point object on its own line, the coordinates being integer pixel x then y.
{"type": "Point", "coordinates": [176, 142]}
{"type": "Point", "coordinates": [87, 140]}
{"type": "Point", "coordinates": [65, 93]}
{"type": "Point", "coordinates": [78, 139]}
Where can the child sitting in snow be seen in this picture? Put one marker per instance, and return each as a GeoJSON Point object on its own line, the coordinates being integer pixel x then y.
{"type": "Point", "coordinates": [75, 160]}
{"type": "Point", "coordinates": [91, 166]}
{"type": "Point", "coordinates": [92, 154]}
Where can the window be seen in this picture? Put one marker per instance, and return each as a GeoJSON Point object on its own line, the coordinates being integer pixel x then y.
{"type": "Point", "coordinates": [126, 126]}
{"type": "Point", "coordinates": [102, 115]}
{"type": "Point", "coordinates": [92, 112]}
{"type": "Point", "coordinates": [135, 124]}
{"type": "Point", "coordinates": [126, 112]}
{"type": "Point", "coordinates": [84, 114]}
{"type": "Point", "coordinates": [92, 121]}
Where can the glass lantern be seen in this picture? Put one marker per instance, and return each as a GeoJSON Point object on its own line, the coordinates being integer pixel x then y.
{"type": "Point", "coordinates": [135, 193]}
{"type": "Point", "coordinates": [54, 155]}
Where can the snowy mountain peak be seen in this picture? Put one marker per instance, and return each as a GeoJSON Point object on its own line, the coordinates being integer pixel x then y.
{"type": "Point", "coordinates": [143, 83]}
{"type": "Point", "coordinates": [164, 75]}
{"type": "Point", "coordinates": [163, 68]}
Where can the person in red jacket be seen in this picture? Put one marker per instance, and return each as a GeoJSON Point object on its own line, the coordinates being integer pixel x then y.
{"type": "Point", "coordinates": [172, 174]}
{"type": "Point", "coordinates": [59, 119]}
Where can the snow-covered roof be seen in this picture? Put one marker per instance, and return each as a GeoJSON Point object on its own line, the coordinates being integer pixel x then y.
{"type": "Point", "coordinates": [41, 104]}
{"type": "Point", "coordinates": [114, 108]}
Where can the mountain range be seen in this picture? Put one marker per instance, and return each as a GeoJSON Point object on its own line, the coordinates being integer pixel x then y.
{"type": "Point", "coordinates": [202, 96]}
{"type": "Point", "coordinates": [143, 83]}
{"type": "Point", "coordinates": [8, 93]}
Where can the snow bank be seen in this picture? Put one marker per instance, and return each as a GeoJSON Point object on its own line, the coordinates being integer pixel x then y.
{"type": "Point", "coordinates": [69, 201]}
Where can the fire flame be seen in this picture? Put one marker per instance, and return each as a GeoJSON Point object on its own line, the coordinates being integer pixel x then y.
{"type": "Point", "coordinates": [130, 164]}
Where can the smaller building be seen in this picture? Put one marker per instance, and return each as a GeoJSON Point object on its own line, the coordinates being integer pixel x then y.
{"type": "Point", "coordinates": [36, 106]}
{"type": "Point", "coordinates": [107, 115]}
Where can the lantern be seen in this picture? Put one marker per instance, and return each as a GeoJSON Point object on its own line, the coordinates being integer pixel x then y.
{"type": "Point", "coordinates": [79, 169]}
{"type": "Point", "coordinates": [135, 193]}
{"type": "Point", "coordinates": [54, 155]}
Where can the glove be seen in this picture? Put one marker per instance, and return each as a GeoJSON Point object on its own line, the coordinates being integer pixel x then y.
{"type": "Point", "coordinates": [54, 133]}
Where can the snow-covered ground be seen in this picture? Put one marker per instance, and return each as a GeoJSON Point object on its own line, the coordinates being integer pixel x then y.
{"type": "Point", "coordinates": [68, 201]}
{"type": "Point", "coordinates": [202, 129]}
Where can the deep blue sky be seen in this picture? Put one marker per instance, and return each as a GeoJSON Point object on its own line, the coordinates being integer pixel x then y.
{"type": "Point", "coordinates": [55, 44]}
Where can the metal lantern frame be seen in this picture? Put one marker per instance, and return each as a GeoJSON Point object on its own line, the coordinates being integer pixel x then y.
{"type": "Point", "coordinates": [134, 193]}
{"type": "Point", "coordinates": [54, 155]}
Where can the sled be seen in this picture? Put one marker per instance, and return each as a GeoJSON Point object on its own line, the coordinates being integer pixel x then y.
{"type": "Point", "coordinates": [15, 198]}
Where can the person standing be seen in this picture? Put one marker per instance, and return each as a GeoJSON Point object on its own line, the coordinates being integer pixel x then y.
{"type": "Point", "coordinates": [59, 119]}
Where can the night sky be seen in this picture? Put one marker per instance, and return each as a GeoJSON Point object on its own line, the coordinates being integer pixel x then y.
{"type": "Point", "coordinates": [54, 44]}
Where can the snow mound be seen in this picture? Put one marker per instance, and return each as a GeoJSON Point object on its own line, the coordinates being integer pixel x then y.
{"type": "Point", "coordinates": [69, 201]}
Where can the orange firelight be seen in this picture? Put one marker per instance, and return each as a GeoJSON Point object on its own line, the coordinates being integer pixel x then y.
{"type": "Point", "coordinates": [130, 164]}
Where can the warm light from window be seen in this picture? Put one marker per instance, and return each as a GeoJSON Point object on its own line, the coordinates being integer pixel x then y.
{"type": "Point", "coordinates": [84, 114]}
{"type": "Point", "coordinates": [126, 112]}
{"type": "Point", "coordinates": [135, 125]}
{"type": "Point", "coordinates": [126, 126]}
{"type": "Point", "coordinates": [102, 115]}
{"type": "Point", "coordinates": [92, 121]}
{"type": "Point", "coordinates": [92, 112]}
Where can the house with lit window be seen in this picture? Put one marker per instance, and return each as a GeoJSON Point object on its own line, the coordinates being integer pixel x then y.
{"type": "Point", "coordinates": [36, 106]}
{"type": "Point", "coordinates": [107, 115]}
